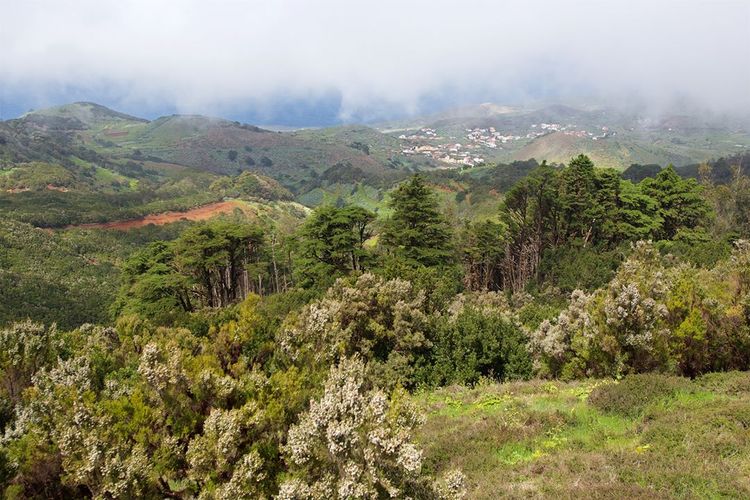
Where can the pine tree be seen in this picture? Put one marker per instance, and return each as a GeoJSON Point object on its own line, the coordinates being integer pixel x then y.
{"type": "Point", "coordinates": [332, 244]}
{"type": "Point", "coordinates": [577, 196]}
{"type": "Point", "coordinates": [417, 231]}
{"type": "Point", "coordinates": [680, 202]}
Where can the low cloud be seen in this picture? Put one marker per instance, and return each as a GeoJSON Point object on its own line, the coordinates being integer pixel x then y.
{"type": "Point", "coordinates": [401, 56]}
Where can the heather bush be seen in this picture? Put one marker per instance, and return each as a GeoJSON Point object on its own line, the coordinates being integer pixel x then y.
{"type": "Point", "coordinates": [482, 302]}
{"type": "Point", "coordinates": [478, 338]}
{"type": "Point", "coordinates": [139, 413]}
{"type": "Point", "coordinates": [633, 335]}
{"type": "Point", "coordinates": [355, 442]}
{"type": "Point", "coordinates": [631, 395]}
{"type": "Point", "coordinates": [554, 344]}
{"type": "Point", "coordinates": [707, 316]}
{"type": "Point", "coordinates": [618, 329]}
{"type": "Point", "coordinates": [25, 348]}
{"type": "Point", "coordinates": [382, 321]}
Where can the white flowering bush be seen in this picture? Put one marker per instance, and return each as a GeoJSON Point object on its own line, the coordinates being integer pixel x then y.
{"type": "Point", "coordinates": [483, 302]}
{"type": "Point", "coordinates": [164, 422]}
{"type": "Point", "coordinates": [634, 334]}
{"type": "Point", "coordinates": [553, 343]}
{"type": "Point", "coordinates": [25, 348]}
{"type": "Point", "coordinates": [221, 460]}
{"type": "Point", "coordinates": [63, 409]}
{"type": "Point", "coordinates": [452, 486]}
{"type": "Point", "coordinates": [383, 321]}
{"type": "Point", "coordinates": [108, 468]}
{"type": "Point", "coordinates": [620, 328]}
{"type": "Point", "coordinates": [355, 442]}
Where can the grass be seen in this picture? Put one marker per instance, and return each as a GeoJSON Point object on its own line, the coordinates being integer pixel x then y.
{"type": "Point", "coordinates": [688, 439]}
{"type": "Point", "coordinates": [104, 175]}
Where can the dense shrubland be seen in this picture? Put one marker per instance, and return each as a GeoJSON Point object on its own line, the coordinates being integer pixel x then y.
{"type": "Point", "coordinates": [250, 184]}
{"type": "Point", "coordinates": [246, 360]}
{"type": "Point", "coordinates": [654, 315]}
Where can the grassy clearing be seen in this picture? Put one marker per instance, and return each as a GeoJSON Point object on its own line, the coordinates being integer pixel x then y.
{"type": "Point", "coordinates": [649, 437]}
{"type": "Point", "coordinates": [107, 176]}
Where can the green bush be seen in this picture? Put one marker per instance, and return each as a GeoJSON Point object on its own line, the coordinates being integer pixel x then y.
{"type": "Point", "coordinates": [634, 393]}
{"type": "Point", "coordinates": [579, 267]}
{"type": "Point", "coordinates": [476, 345]}
{"type": "Point", "coordinates": [697, 248]}
{"type": "Point", "coordinates": [732, 383]}
{"type": "Point", "coordinates": [541, 308]}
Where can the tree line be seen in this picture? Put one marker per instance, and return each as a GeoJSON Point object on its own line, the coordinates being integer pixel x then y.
{"type": "Point", "coordinates": [590, 210]}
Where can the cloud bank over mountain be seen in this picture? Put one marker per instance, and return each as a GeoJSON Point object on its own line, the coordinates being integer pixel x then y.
{"type": "Point", "coordinates": [364, 59]}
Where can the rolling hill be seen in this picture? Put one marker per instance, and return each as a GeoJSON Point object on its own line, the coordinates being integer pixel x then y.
{"type": "Point", "coordinates": [611, 137]}
{"type": "Point", "coordinates": [85, 163]}
{"type": "Point", "coordinates": [213, 145]}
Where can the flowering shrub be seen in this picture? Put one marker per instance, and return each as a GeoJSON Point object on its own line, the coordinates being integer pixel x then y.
{"type": "Point", "coordinates": [655, 315]}
{"type": "Point", "coordinates": [618, 329]}
{"type": "Point", "coordinates": [382, 321]}
{"type": "Point", "coordinates": [484, 302]}
{"type": "Point", "coordinates": [354, 442]}
{"type": "Point", "coordinates": [218, 458]}
{"type": "Point", "coordinates": [615, 330]}
{"type": "Point", "coordinates": [552, 344]}
{"type": "Point", "coordinates": [25, 348]}
{"type": "Point", "coordinates": [634, 333]}
{"type": "Point", "coordinates": [63, 409]}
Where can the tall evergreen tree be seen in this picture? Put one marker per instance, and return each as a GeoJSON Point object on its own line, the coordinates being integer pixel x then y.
{"type": "Point", "coordinates": [332, 244]}
{"type": "Point", "coordinates": [152, 285]}
{"type": "Point", "coordinates": [681, 204]}
{"type": "Point", "coordinates": [638, 215]}
{"type": "Point", "coordinates": [577, 197]}
{"type": "Point", "coordinates": [482, 252]}
{"type": "Point", "coordinates": [533, 215]}
{"type": "Point", "coordinates": [417, 231]}
{"type": "Point", "coordinates": [604, 214]}
{"type": "Point", "coordinates": [217, 256]}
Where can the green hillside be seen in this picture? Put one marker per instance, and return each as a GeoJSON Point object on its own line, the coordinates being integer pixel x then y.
{"type": "Point", "coordinates": [296, 159]}
{"type": "Point", "coordinates": [611, 137]}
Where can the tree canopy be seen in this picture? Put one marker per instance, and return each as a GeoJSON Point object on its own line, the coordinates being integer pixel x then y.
{"type": "Point", "coordinates": [417, 231]}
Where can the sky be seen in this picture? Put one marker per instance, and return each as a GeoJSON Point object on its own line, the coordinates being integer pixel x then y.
{"type": "Point", "coordinates": [305, 62]}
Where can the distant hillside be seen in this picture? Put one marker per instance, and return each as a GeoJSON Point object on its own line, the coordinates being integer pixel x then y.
{"type": "Point", "coordinates": [298, 160]}
{"type": "Point", "coordinates": [719, 171]}
{"type": "Point", "coordinates": [615, 152]}
{"type": "Point", "coordinates": [88, 113]}
{"type": "Point", "coordinates": [489, 133]}
{"type": "Point", "coordinates": [84, 163]}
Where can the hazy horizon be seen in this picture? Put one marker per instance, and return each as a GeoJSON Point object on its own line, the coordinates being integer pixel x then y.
{"type": "Point", "coordinates": [297, 64]}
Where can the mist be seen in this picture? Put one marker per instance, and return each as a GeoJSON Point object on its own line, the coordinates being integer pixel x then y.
{"type": "Point", "coordinates": [358, 61]}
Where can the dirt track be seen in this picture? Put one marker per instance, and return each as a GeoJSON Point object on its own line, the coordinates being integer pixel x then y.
{"type": "Point", "coordinates": [199, 213]}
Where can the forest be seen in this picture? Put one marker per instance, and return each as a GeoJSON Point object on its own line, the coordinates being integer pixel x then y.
{"type": "Point", "coordinates": [244, 358]}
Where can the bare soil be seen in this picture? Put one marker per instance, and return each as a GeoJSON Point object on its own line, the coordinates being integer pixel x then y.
{"type": "Point", "coordinates": [196, 214]}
